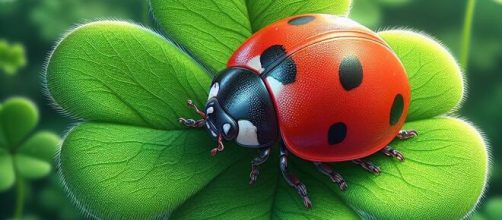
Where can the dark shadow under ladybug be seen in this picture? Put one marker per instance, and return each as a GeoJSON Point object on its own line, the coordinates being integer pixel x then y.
{"type": "Point", "coordinates": [241, 108]}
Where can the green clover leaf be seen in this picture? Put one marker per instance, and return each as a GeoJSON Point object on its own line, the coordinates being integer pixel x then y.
{"type": "Point", "coordinates": [130, 158]}
{"type": "Point", "coordinates": [22, 155]}
{"type": "Point", "coordinates": [212, 30]}
{"type": "Point", "coordinates": [12, 57]}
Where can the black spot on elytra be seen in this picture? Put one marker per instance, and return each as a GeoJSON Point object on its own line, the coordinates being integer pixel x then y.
{"type": "Point", "coordinates": [278, 65]}
{"type": "Point", "coordinates": [397, 109]}
{"type": "Point", "coordinates": [301, 20]}
{"type": "Point", "coordinates": [337, 133]}
{"type": "Point", "coordinates": [350, 72]}
{"type": "Point", "coordinates": [271, 55]}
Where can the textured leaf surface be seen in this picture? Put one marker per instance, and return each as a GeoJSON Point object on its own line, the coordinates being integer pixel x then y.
{"type": "Point", "coordinates": [444, 173]}
{"type": "Point", "coordinates": [212, 30]}
{"type": "Point", "coordinates": [434, 75]}
{"type": "Point", "coordinates": [229, 196]}
{"type": "Point", "coordinates": [119, 72]}
{"type": "Point", "coordinates": [118, 170]}
{"type": "Point", "coordinates": [124, 171]}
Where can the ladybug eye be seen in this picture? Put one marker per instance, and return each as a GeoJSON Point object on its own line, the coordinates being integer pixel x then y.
{"type": "Point", "coordinates": [214, 90]}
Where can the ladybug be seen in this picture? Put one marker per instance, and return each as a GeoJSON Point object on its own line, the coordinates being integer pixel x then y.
{"type": "Point", "coordinates": [326, 88]}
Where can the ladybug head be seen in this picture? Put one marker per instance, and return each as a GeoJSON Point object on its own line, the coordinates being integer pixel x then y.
{"type": "Point", "coordinates": [218, 122]}
{"type": "Point", "coordinates": [238, 108]}
{"type": "Point", "coordinates": [242, 108]}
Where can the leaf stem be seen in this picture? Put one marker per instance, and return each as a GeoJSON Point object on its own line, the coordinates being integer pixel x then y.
{"type": "Point", "coordinates": [19, 197]}
{"type": "Point", "coordinates": [466, 33]}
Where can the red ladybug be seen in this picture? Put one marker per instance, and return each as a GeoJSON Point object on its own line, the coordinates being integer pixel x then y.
{"type": "Point", "coordinates": [325, 87]}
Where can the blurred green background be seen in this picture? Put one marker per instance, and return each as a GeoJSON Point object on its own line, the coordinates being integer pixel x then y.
{"type": "Point", "coordinates": [33, 26]}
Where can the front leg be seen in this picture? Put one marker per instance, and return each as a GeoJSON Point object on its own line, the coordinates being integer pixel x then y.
{"type": "Point", "coordinates": [262, 157]}
{"type": "Point", "coordinates": [191, 123]}
{"type": "Point", "coordinates": [291, 179]}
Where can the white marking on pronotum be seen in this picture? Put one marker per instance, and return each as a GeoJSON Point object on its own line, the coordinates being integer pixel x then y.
{"type": "Point", "coordinates": [214, 90]}
{"type": "Point", "coordinates": [255, 63]}
{"type": "Point", "coordinates": [275, 85]}
{"type": "Point", "coordinates": [210, 110]}
{"type": "Point", "coordinates": [226, 128]}
{"type": "Point", "coordinates": [247, 133]}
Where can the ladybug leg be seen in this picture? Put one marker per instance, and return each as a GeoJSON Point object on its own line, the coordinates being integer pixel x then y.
{"type": "Point", "coordinates": [291, 179]}
{"type": "Point", "coordinates": [263, 155]}
{"type": "Point", "coordinates": [219, 146]}
{"type": "Point", "coordinates": [334, 176]}
{"type": "Point", "coordinates": [194, 107]}
{"type": "Point", "coordinates": [406, 134]}
{"type": "Point", "coordinates": [191, 123]}
{"type": "Point", "coordinates": [369, 166]}
{"type": "Point", "coordinates": [391, 152]}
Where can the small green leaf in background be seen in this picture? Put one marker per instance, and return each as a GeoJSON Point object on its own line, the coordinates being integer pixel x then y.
{"type": "Point", "coordinates": [493, 208]}
{"type": "Point", "coordinates": [393, 3]}
{"type": "Point", "coordinates": [23, 155]}
{"type": "Point", "coordinates": [477, 216]}
{"type": "Point", "coordinates": [12, 57]}
{"type": "Point", "coordinates": [53, 17]}
{"type": "Point", "coordinates": [367, 13]}
{"type": "Point", "coordinates": [52, 201]}
{"type": "Point", "coordinates": [129, 158]}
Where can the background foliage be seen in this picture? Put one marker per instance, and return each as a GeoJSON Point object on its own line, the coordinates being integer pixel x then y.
{"type": "Point", "coordinates": [37, 24]}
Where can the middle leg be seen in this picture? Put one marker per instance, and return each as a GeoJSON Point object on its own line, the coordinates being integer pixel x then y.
{"type": "Point", "coordinates": [367, 165]}
{"type": "Point", "coordinates": [334, 176]}
{"type": "Point", "coordinates": [257, 161]}
{"type": "Point", "coordinates": [291, 179]}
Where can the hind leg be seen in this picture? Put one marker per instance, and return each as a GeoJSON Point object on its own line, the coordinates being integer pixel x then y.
{"type": "Point", "coordinates": [402, 135]}
{"type": "Point", "coordinates": [334, 176]}
{"type": "Point", "coordinates": [291, 179]}
{"type": "Point", "coordinates": [388, 151]}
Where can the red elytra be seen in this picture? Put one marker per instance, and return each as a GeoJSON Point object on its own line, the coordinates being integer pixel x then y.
{"type": "Point", "coordinates": [350, 96]}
